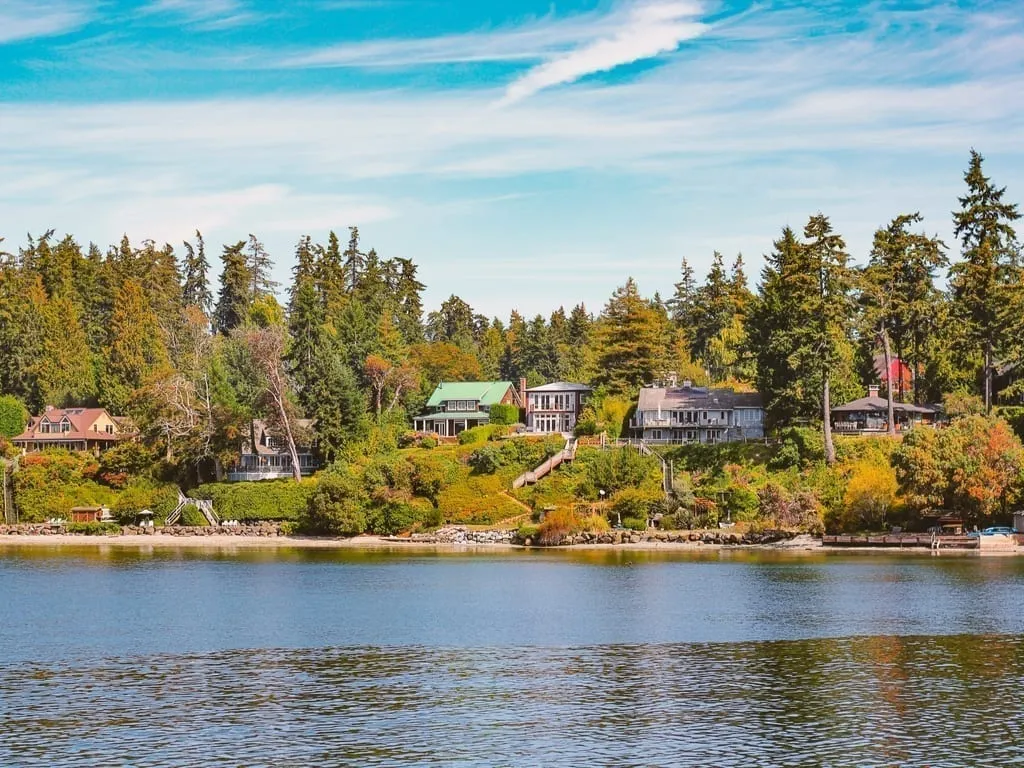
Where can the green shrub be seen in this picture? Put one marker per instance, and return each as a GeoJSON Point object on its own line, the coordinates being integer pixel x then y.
{"type": "Point", "coordinates": [487, 460]}
{"type": "Point", "coordinates": [633, 503]}
{"type": "Point", "coordinates": [427, 442]}
{"type": "Point", "coordinates": [336, 507]}
{"type": "Point", "coordinates": [585, 428]}
{"type": "Point", "coordinates": [289, 528]}
{"type": "Point", "coordinates": [13, 416]}
{"type": "Point", "coordinates": [123, 462]}
{"type": "Point", "coordinates": [634, 523]}
{"type": "Point", "coordinates": [191, 516]}
{"type": "Point", "coordinates": [504, 414]}
{"type": "Point", "coordinates": [474, 435]}
{"type": "Point", "coordinates": [528, 532]}
{"type": "Point", "coordinates": [265, 500]}
{"type": "Point", "coordinates": [93, 529]}
{"type": "Point", "coordinates": [50, 483]}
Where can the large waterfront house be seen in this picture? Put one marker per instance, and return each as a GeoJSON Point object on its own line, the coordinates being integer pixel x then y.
{"type": "Point", "coordinates": [870, 414]}
{"type": "Point", "coordinates": [555, 407]}
{"type": "Point", "coordinates": [266, 457]}
{"type": "Point", "coordinates": [458, 406]}
{"type": "Point", "coordinates": [74, 429]}
{"type": "Point", "coordinates": [689, 414]}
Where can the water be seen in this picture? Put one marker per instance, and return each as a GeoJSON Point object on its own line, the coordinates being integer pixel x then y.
{"type": "Point", "coordinates": [165, 658]}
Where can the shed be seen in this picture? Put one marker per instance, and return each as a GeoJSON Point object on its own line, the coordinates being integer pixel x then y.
{"type": "Point", "coordinates": [86, 514]}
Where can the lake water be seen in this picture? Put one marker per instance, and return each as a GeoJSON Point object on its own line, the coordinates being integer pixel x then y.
{"type": "Point", "coordinates": [304, 658]}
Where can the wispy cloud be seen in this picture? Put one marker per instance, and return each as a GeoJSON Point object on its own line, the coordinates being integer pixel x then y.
{"type": "Point", "coordinates": [204, 14]}
{"type": "Point", "coordinates": [29, 19]}
{"type": "Point", "coordinates": [649, 30]}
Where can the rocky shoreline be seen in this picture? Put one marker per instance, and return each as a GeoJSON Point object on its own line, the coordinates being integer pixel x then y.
{"type": "Point", "coordinates": [266, 530]}
{"type": "Point", "coordinates": [463, 535]}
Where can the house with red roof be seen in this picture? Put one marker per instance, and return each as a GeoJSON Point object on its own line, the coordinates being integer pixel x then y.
{"type": "Point", "coordinates": [75, 429]}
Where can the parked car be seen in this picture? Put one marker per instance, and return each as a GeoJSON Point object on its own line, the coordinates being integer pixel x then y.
{"type": "Point", "coordinates": [1005, 530]}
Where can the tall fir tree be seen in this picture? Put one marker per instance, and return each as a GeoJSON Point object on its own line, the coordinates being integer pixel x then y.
{"type": "Point", "coordinates": [137, 350]}
{"type": "Point", "coordinates": [987, 289]}
{"type": "Point", "coordinates": [630, 340]}
{"type": "Point", "coordinates": [235, 297]}
{"type": "Point", "coordinates": [196, 289]}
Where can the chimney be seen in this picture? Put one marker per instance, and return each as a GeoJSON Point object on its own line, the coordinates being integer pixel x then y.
{"type": "Point", "coordinates": [522, 395]}
{"type": "Point", "coordinates": [873, 390]}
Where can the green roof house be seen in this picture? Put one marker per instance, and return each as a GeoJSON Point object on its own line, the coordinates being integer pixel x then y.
{"type": "Point", "coordinates": [460, 405]}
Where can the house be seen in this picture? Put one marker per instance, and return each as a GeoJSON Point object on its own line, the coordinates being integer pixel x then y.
{"type": "Point", "coordinates": [554, 407]}
{"type": "Point", "coordinates": [265, 457]}
{"type": "Point", "coordinates": [458, 406]}
{"type": "Point", "coordinates": [74, 429]}
{"type": "Point", "coordinates": [871, 414]}
{"type": "Point", "coordinates": [91, 515]}
{"type": "Point", "coordinates": [690, 414]}
{"type": "Point", "coordinates": [900, 374]}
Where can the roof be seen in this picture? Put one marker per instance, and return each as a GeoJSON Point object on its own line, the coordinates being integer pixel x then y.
{"type": "Point", "coordinates": [897, 369]}
{"type": "Point", "coordinates": [80, 419]}
{"type": "Point", "coordinates": [561, 386]}
{"type": "Point", "coordinates": [695, 398]}
{"type": "Point", "coordinates": [445, 415]}
{"type": "Point", "coordinates": [484, 392]}
{"type": "Point", "coordinates": [259, 427]}
{"type": "Point", "coordinates": [880, 404]}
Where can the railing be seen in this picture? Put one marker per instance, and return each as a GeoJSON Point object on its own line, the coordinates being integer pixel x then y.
{"type": "Point", "coordinates": [205, 506]}
{"type": "Point", "coordinates": [568, 453]}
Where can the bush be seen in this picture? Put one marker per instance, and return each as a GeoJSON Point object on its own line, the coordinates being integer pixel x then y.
{"type": "Point", "coordinates": [634, 523]}
{"type": "Point", "coordinates": [336, 507]}
{"type": "Point", "coordinates": [93, 529]}
{"type": "Point", "coordinates": [124, 461]}
{"type": "Point", "coordinates": [397, 517]}
{"type": "Point", "coordinates": [474, 435]}
{"type": "Point", "coordinates": [49, 484]}
{"type": "Point", "coordinates": [504, 414]}
{"type": "Point", "coordinates": [13, 416]}
{"type": "Point", "coordinates": [144, 494]}
{"type": "Point", "coordinates": [191, 516]}
{"type": "Point", "coordinates": [556, 525]}
{"type": "Point", "coordinates": [527, 532]}
{"type": "Point", "coordinates": [427, 442]}
{"type": "Point", "coordinates": [585, 428]}
{"type": "Point", "coordinates": [595, 524]}
{"type": "Point", "coordinates": [870, 493]}
{"type": "Point", "coordinates": [634, 503]}
{"type": "Point", "coordinates": [487, 460]}
{"type": "Point", "coordinates": [253, 502]}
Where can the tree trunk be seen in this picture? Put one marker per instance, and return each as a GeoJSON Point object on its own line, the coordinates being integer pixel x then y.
{"type": "Point", "coordinates": [988, 377]}
{"type": "Point", "coordinates": [282, 413]}
{"type": "Point", "coordinates": [887, 351]}
{"type": "Point", "coordinates": [826, 404]}
{"type": "Point", "coordinates": [218, 469]}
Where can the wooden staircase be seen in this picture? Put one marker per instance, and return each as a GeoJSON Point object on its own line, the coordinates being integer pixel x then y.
{"type": "Point", "coordinates": [568, 453]}
{"type": "Point", "coordinates": [203, 505]}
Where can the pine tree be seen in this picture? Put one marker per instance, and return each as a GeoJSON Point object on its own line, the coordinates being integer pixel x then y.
{"type": "Point", "coordinates": [259, 265]}
{"type": "Point", "coordinates": [354, 261]}
{"type": "Point", "coordinates": [330, 278]}
{"type": "Point", "coordinates": [196, 290]}
{"type": "Point", "coordinates": [137, 349]}
{"type": "Point", "coordinates": [235, 295]}
{"type": "Point", "coordinates": [986, 286]}
{"type": "Point", "coordinates": [306, 325]}
{"type": "Point", "coordinates": [454, 321]}
{"type": "Point", "coordinates": [684, 300]}
{"type": "Point", "coordinates": [713, 311]}
{"type": "Point", "coordinates": [408, 292]}
{"type": "Point", "coordinates": [630, 341]}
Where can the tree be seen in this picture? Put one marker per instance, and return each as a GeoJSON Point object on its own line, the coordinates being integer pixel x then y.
{"type": "Point", "coordinates": [988, 295]}
{"type": "Point", "coordinates": [973, 467]}
{"type": "Point", "coordinates": [386, 378]}
{"type": "Point", "coordinates": [630, 338]}
{"type": "Point", "coordinates": [683, 303]}
{"type": "Point", "coordinates": [136, 350]}
{"type": "Point", "coordinates": [259, 265]}
{"type": "Point", "coordinates": [354, 261]}
{"type": "Point", "coordinates": [442, 361]}
{"type": "Point", "coordinates": [453, 322]}
{"type": "Point", "coordinates": [235, 296]}
{"type": "Point", "coordinates": [266, 351]}
{"type": "Point", "coordinates": [870, 494]}
{"type": "Point", "coordinates": [13, 416]}
{"type": "Point", "coordinates": [196, 290]}
{"type": "Point", "coordinates": [336, 404]}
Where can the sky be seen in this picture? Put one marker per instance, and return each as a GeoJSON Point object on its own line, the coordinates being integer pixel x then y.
{"type": "Point", "coordinates": [527, 154]}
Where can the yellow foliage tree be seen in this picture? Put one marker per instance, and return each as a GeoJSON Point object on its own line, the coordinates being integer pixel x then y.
{"type": "Point", "coordinates": [870, 494]}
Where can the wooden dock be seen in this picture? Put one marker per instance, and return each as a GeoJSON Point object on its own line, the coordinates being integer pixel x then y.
{"type": "Point", "coordinates": [899, 540]}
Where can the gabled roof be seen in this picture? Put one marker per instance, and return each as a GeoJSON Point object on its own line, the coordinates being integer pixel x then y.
{"type": "Point", "coordinates": [484, 392]}
{"type": "Point", "coordinates": [81, 420]}
{"type": "Point", "coordinates": [560, 386]}
{"type": "Point", "coordinates": [261, 430]}
{"type": "Point", "coordinates": [695, 398]}
{"type": "Point", "coordinates": [879, 404]}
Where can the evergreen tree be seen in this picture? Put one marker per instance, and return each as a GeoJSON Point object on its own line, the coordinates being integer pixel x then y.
{"type": "Point", "coordinates": [630, 341]}
{"type": "Point", "coordinates": [454, 321]}
{"type": "Point", "coordinates": [259, 265]}
{"type": "Point", "coordinates": [337, 405]}
{"type": "Point", "coordinates": [683, 302]}
{"type": "Point", "coordinates": [306, 325]}
{"type": "Point", "coordinates": [330, 278]}
{"type": "Point", "coordinates": [408, 292]}
{"type": "Point", "coordinates": [988, 295]}
{"type": "Point", "coordinates": [713, 311]}
{"type": "Point", "coordinates": [235, 295]}
{"type": "Point", "coordinates": [196, 290]}
{"type": "Point", "coordinates": [354, 261]}
{"type": "Point", "coordinates": [137, 349]}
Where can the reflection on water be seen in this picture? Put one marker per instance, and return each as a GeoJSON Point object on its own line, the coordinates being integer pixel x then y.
{"type": "Point", "coordinates": [165, 657]}
{"type": "Point", "coordinates": [914, 701]}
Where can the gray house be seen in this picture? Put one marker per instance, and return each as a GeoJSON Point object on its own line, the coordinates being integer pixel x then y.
{"type": "Point", "coordinates": [689, 414]}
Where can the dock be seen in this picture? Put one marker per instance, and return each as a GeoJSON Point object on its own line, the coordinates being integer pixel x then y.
{"type": "Point", "coordinates": [900, 540]}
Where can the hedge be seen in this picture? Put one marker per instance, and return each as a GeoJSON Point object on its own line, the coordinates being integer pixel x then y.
{"type": "Point", "coordinates": [504, 414]}
{"type": "Point", "coordinates": [265, 500]}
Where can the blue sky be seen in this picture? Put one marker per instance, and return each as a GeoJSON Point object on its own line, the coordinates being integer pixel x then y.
{"type": "Point", "coordinates": [526, 154]}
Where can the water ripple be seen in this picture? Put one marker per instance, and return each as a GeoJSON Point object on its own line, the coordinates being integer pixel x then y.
{"type": "Point", "coordinates": [866, 701]}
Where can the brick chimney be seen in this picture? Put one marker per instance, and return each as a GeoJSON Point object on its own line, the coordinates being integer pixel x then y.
{"type": "Point", "coordinates": [873, 390]}
{"type": "Point", "coordinates": [522, 395]}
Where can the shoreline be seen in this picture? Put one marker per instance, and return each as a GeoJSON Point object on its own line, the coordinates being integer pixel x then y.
{"type": "Point", "coordinates": [391, 544]}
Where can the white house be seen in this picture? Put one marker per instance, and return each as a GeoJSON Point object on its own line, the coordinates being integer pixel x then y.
{"type": "Point", "coordinates": [555, 407]}
{"type": "Point", "coordinates": [690, 414]}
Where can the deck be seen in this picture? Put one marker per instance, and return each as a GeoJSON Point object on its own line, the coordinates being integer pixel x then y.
{"type": "Point", "coordinates": [925, 540]}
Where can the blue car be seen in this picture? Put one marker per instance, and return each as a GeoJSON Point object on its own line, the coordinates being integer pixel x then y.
{"type": "Point", "coordinates": [998, 529]}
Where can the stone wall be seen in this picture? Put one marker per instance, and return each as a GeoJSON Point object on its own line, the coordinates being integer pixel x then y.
{"type": "Point", "coordinates": [668, 537]}
{"type": "Point", "coordinates": [44, 529]}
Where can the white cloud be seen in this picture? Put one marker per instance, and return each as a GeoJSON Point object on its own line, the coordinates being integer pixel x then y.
{"type": "Point", "coordinates": [649, 30]}
{"type": "Point", "coordinates": [30, 19]}
{"type": "Point", "coordinates": [204, 14]}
